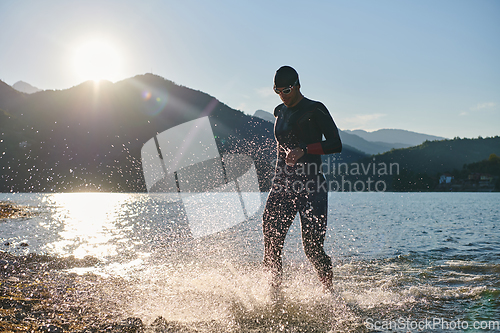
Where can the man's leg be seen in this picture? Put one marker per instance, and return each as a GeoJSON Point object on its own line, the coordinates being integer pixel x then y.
{"type": "Point", "coordinates": [313, 209]}
{"type": "Point", "coordinates": [278, 216]}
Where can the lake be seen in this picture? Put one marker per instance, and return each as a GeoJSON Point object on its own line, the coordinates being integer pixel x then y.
{"type": "Point", "coordinates": [402, 261]}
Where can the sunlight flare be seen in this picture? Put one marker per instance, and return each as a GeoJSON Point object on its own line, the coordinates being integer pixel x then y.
{"type": "Point", "coordinates": [97, 60]}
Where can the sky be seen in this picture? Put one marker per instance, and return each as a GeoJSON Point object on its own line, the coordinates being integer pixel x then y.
{"type": "Point", "coordinates": [426, 66]}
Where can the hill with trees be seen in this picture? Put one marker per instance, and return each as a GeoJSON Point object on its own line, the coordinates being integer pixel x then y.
{"type": "Point", "coordinates": [420, 168]}
{"type": "Point", "coordinates": [432, 157]}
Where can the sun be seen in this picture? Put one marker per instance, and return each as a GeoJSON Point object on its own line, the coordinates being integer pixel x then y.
{"type": "Point", "coordinates": [97, 60]}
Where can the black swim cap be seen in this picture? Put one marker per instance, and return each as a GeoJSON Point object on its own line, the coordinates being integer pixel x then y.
{"type": "Point", "coordinates": [285, 76]}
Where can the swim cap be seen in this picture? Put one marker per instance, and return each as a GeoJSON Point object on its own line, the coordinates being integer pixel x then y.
{"type": "Point", "coordinates": [285, 77]}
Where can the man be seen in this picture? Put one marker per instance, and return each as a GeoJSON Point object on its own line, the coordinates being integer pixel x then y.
{"type": "Point", "coordinates": [304, 130]}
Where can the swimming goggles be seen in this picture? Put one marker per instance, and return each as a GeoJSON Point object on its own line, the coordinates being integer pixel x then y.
{"type": "Point", "coordinates": [287, 90]}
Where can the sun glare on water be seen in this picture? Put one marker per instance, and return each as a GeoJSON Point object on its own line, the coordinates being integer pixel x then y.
{"type": "Point", "coordinates": [97, 60]}
{"type": "Point", "coordinates": [88, 222]}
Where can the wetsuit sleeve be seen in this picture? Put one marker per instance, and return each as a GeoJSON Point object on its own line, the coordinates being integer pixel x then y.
{"type": "Point", "coordinates": [332, 143]}
{"type": "Point", "coordinates": [277, 110]}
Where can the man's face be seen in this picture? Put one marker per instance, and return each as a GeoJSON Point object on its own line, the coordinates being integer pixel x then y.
{"type": "Point", "coordinates": [290, 99]}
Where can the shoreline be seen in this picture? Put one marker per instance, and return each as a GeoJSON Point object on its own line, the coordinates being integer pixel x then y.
{"type": "Point", "coordinates": [37, 294]}
{"type": "Point", "coordinates": [11, 210]}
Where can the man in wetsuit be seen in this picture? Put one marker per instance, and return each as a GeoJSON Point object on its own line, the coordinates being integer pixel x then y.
{"type": "Point", "coordinates": [304, 130]}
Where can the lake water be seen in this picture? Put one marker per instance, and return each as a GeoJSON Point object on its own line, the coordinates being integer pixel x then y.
{"type": "Point", "coordinates": [403, 261]}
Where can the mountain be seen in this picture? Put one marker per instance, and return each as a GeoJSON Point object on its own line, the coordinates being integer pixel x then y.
{"type": "Point", "coordinates": [397, 137]}
{"type": "Point", "coordinates": [25, 87]}
{"type": "Point", "coordinates": [89, 137]}
{"type": "Point", "coordinates": [368, 147]}
{"type": "Point", "coordinates": [264, 115]}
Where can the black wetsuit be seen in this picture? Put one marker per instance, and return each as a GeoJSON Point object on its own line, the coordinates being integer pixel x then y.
{"type": "Point", "coordinates": [299, 188]}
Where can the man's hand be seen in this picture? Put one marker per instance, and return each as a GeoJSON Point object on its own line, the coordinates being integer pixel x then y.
{"type": "Point", "coordinates": [293, 155]}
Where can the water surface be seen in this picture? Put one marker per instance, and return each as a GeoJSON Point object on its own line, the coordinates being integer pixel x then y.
{"type": "Point", "coordinates": [402, 261]}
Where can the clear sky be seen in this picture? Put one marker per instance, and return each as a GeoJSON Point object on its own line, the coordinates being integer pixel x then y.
{"type": "Point", "coordinates": [427, 66]}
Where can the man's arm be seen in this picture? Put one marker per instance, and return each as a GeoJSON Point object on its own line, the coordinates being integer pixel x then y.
{"type": "Point", "coordinates": [332, 143]}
